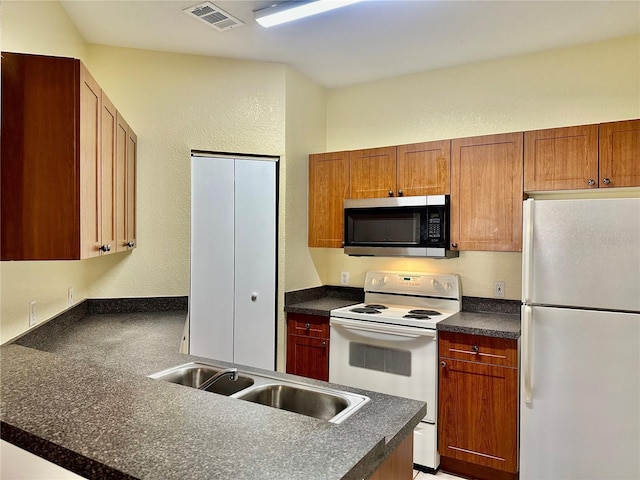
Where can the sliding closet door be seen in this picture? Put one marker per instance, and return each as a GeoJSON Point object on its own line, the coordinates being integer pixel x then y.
{"type": "Point", "coordinates": [255, 263]}
{"type": "Point", "coordinates": [212, 258]}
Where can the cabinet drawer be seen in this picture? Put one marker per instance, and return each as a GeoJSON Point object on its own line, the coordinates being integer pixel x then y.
{"type": "Point", "coordinates": [308, 325]}
{"type": "Point", "coordinates": [478, 348]}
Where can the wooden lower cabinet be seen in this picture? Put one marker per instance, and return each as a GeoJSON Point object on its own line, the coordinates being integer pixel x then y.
{"type": "Point", "coordinates": [398, 465]}
{"type": "Point", "coordinates": [308, 346]}
{"type": "Point", "coordinates": [478, 406]}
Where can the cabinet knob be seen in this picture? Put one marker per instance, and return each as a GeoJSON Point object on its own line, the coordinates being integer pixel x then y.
{"type": "Point", "coordinates": [443, 364]}
{"type": "Point", "coordinates": [254, 296]}
{"type": "Point", "coordinates": [105, 248]}
{"type": "Point", "coordinates": [129, 244]}
{"type": "Point", "coordinates": [307, 326]}
{"type": "Point", "coordinates": [400, 193]}
{"type": "Point", "coordinates": [606, 181]}
{"type": "Point", "coordinates": [454, 245]}
{"type": "Point", "coordinates": [323, 344]}
{"type": "Point", "coordinates": [475, 349]}
{"type": "Point", "coordinates": [591, 182]}
{"type": "Point", "coordinates": [391, 193]}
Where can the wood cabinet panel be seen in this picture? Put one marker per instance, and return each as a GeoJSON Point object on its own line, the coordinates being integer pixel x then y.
{"type": "Point", "coordinates": [40, 201]}
{"type": "Point", "coordinates": [561, 158]}
{"type": "Point", "coordinates": [131, 188]}
{"type": "Point", "coordinates": [424, 168]}
{"type": "Point", "coordinates": [328, 187]}
{"type": "Point", "coordinates": [620, 154]}
{"type": "Point", "coordinates": [478, 348]}
{"type": "Point", "coordinates": [478, 405]}
{"type": "Point", "coordinates": [307, 325]}
{"type": "Point", "coordinates": [108, 176]}
{"type": "Point", "coordinates": [486, 193]}
{"type": "Point", "coordinates": [372, 173]}
{"type": "Point", "coordinates": [90, 212]}
{"type": "Point", "coordinates": [308, 357]}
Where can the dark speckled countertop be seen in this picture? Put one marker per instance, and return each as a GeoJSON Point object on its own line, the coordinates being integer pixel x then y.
{"type": "Point", "coordinates": [480, 316]}
{"type": "Point", "coordinates": [75, 391]}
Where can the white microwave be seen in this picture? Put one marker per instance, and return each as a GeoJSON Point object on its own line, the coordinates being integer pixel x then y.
{"type": "Point", "coordinates": [398, 226]}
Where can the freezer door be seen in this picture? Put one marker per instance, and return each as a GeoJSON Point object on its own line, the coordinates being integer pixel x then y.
{"type": "Point", "coordinates": [583, 253]}
{"type": "Point", "coordinates": [582, 420]}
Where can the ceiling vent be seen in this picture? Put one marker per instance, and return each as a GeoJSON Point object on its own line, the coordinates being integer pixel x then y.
{"type": "Point", "coordinates": [213, 16]}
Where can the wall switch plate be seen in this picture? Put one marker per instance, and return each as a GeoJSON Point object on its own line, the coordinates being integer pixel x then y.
{"type": "Point", "coordinates": [70, 297]}
{"type": "Point", "coordinates": [32, 313]}
{"type": "Point", "coordinates": [344, 278]}
{"type": "Point", "coordinates": [498, 289]}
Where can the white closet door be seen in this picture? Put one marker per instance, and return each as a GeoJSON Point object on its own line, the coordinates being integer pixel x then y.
{"type": "Point", "coordinates": [212, 258]}
{"type": "Point", "coordinates": [255, 263]}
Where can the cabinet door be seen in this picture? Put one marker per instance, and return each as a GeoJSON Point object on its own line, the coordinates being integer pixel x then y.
{"type": "Point", "coordinates": [212, 250]}
{"type": "Point", "coordinates": [122, 132]}
{"type": "Point", "coordinates": [328, 187]}
{"type": "Point", "coordinates": [308, 357]}
{"type": "Point", "coordinates": [486, 193]}
{"type": "Point", "coordinates": [255, 263]}
{"type": "Point", "coordinates": [620, 154]}
{"type": "Point", "coordinates": [108, 177]}
{"type": "Point", "coordinates": [561, 158]}
{"type": "Point", "coordinates": [90, 187]}
{"type": "Point", "coordinates": [132, 162]}
{"type": "Point", "coordinates": [372, 173]}
{"type": "Point", "coordinates": [423, 168]}
{"type": "Point", "coordinates": [478, 414]}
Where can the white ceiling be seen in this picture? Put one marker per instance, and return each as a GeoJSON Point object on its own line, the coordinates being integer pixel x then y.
{"type": "Point", "coordinates": [367, 41]}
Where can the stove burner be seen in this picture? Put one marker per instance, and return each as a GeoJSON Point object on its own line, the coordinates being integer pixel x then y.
{"type": "Point", "coordinates": [424, 312]}
{"type": "Point", "coordinates": [377, 306]}
{"type": "Point", "coordinates": [364, 310]}
{"type": "Point", "coordinates": [419, 316]}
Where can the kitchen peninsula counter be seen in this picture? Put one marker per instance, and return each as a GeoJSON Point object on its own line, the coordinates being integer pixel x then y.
{"type": "Point", "coordinates": [75, 392]}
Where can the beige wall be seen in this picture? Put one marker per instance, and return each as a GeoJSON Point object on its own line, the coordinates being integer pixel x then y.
{"type": "Point", "coordinates": [177, 103]}
{"type": "Point", "coordinates": [587, 84]}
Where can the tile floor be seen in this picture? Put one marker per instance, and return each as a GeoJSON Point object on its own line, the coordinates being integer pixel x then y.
{"type": "Point", "coordinates": [418, 475]}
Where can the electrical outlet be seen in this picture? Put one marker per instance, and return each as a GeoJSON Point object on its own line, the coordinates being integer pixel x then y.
{"type": "Point", "coordinates": [498, 289]}
{"type": "Point", "coordinates": [70, 297]}
{"type": "Point", "coordinates": [32, 313]}
{"type": "Point", "coordinates": [344, 278]}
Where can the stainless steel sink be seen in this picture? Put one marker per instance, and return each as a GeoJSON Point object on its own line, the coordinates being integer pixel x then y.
{"type": "Point", "coordinates": [296, 399]}
{"type": "Point", "coordinates": [195, 374]}
{"type": "Point", "coordinates": [328, 404]}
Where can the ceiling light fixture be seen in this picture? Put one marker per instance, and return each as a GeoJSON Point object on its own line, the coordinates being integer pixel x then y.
{"type": "Point", "coordinates": [293, 10]}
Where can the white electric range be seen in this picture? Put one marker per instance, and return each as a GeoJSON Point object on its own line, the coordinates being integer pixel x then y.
{"type": "Point", "coordinates": [389, 343]}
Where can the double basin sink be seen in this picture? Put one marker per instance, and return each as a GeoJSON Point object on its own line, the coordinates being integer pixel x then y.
{"type": "Point", "coordinates": [328, 404]}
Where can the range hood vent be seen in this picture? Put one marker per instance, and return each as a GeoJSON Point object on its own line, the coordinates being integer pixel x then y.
{"type": "Point", "coordinates": [213, 16]}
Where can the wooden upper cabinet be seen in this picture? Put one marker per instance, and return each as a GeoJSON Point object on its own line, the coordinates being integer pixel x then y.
{"type": "Point", "coordinates": [486, 193]}
{"type": "Point", "coordinates": [424, 168]}
{"type": "Point", "coordinates": [620, 154]}
{"type": "Point", "coordinates": [372, 173]}
{"type": "Point", "coordinates": [126, 147]}
{"type": "Point", "coordinates": [328, 187]}
{"type": "Point", "coordinates": [108, 175]}
{"type": "Point", "coordinates": [561, 158]}
{"type": "Point", "coordinates": [58, 152]}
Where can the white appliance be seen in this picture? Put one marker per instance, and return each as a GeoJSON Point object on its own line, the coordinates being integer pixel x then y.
{"type": "Point", "coordinates": [388, 344]}
{"type": "Point", "coordinates": [580, 390]}
{"type": "Point", "coordinates": [232, 301]}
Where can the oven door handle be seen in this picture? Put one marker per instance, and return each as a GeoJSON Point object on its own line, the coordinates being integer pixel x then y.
{"type": "Point", "coordinates": [371, 327]}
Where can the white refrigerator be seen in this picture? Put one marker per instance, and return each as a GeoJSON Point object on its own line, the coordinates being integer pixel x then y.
{"type": "Point", "coordinates": [580, 381]}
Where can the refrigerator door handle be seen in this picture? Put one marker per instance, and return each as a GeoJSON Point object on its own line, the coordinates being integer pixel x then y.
{"type": "Point", "coordinates": [527, 249]}
{"type": "Point", "coordinates": [526, 352]}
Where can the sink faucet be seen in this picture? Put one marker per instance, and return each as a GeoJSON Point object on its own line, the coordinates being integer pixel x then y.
{"type": "Point", "coordinates": [233, 376]}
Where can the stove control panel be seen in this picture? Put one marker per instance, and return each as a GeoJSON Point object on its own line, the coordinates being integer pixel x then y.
{"type": "Point", "coordinates": [413, 283]}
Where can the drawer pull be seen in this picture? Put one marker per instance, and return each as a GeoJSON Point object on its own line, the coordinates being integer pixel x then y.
{"type": "Point", "coordinates": [443, 364]}
{"type": "Point", "coordinates": [307, 326]}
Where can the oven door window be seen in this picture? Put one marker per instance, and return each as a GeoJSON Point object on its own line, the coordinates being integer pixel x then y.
{"type": "Point", "coordinates": [384, 226]}
{"type": "Point", "coordinates": [382, 359]}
